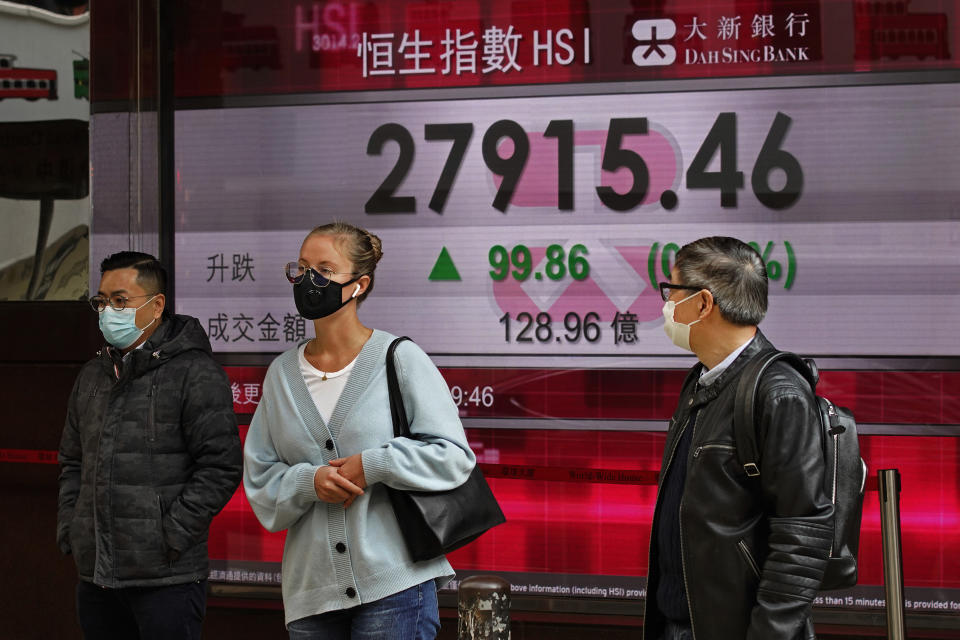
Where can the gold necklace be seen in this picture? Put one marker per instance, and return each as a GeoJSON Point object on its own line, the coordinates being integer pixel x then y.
{"type": "Point", "coordinates": [323, 374]}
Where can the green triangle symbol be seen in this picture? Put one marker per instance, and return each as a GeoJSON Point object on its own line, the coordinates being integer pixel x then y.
{"type": "Point", "coordinates": [443, 268]}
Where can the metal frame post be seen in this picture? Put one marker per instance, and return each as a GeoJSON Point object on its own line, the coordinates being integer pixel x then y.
{"type": "Point", "coordinates": [892, 552]}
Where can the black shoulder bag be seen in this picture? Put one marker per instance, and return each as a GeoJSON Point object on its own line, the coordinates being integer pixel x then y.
{"type": "Point", "coordinates": [437, 522]}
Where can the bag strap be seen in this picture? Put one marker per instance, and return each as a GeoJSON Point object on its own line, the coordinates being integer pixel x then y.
{"type": "Point", "coordinates": [397, 411]}
{"type": "Point", "coordinates": [744, 426]}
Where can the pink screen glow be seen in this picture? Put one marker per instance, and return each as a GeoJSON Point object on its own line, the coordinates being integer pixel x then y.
{"type": "Point", "coordinates": [604, 529]}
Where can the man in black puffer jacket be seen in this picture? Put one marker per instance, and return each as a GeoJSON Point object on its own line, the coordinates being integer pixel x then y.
{"type": "Point", "coordinates": [734, 556]}
{"type": "Point", "coordinates": [149, 454]}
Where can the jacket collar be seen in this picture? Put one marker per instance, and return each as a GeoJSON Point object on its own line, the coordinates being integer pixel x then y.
{"type": "Point", "coordinates": [176, 334]}
{"type": "Point", "coordinates": [710, 392]}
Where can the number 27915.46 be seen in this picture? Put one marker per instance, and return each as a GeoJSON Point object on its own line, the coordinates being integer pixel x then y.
{"type": "Point", "coordinates": [720, 139]}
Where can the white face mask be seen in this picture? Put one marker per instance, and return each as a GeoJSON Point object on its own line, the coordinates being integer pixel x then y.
{"type": "Point", "coordinates": [678, 332]}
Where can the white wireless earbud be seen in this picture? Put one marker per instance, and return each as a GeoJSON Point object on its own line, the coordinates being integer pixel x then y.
{"type": "Point", "coordinates": [355, 292]}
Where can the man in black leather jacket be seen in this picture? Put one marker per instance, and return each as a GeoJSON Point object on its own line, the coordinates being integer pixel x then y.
{"type": "Point", "coordinates": [734, 556]}
{"type": "Point", "coordinates": [149, 454]}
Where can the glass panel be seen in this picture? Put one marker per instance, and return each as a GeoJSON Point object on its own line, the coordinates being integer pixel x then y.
{"type": "Point", "coordinates": [44, 167]}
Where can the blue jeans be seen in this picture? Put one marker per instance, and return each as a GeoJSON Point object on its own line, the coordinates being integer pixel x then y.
{"type": "Point", "coordinates": [409, 615]}
{"type": "Point", "coordinates": [173, 612]}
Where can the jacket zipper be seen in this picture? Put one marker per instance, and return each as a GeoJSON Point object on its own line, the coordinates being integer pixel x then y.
{"type": "Point", "coordinates": [831, 411]}
{"type": "Point", "coordinates": [663, 474]}
{"type": "Point", "coordinates": [683, 560]}
{"type": "Point", "coordinates": [749, 557]}
{"type": "Point", "coordinates": [154, 398]}
{"type": "Point", "coordinates": [151, 418]}
{"type": "Point", "coordinates": [673, 453]}
{"type": "Point", "coordinates": [726, 447]}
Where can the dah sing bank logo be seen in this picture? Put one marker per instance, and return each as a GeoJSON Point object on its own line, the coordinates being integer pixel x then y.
{"type": "Point", "coordinates": [653, 36]}
{"type": "Point", "coordinates": [657, 41]}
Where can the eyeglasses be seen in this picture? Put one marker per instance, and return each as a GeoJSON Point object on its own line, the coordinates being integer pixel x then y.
{"type": "Point", "coordinates": [319, 277]}
{"type": "Point", "coordinates": [665, 289]}
{"type": "Point", "coordinates": [117, 302]}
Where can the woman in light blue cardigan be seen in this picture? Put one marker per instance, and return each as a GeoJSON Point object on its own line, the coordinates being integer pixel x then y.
{"type": "Point", "coordinates": [321, 448]}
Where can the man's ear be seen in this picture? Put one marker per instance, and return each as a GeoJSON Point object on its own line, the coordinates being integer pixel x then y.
{"type": "Point", "coordinates": [159, 304]}
{"type": "Point", "coordinates": [706, 303]}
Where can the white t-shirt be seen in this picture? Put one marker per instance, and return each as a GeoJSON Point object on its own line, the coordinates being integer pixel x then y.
{"type": "Point", "coordinates": [325, 386]}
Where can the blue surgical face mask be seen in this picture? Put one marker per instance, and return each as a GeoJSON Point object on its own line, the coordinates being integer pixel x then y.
{"type": "Point", "coordinates": [119, 327]}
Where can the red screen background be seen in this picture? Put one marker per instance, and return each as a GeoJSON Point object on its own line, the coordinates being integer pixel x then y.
{"type": "Point", "coordinates": [600, 528]}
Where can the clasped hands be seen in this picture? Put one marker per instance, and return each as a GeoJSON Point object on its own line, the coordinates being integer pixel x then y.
{"type": "Point", "coordinates": [342, 481]}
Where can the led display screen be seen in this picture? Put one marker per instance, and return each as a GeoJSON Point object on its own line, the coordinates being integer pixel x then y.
{"type": "Point", "coordinates": [532, 168]}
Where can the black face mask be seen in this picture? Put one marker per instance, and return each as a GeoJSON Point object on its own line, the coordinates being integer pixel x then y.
{"type": "Point", "coordinates": [315, 302]}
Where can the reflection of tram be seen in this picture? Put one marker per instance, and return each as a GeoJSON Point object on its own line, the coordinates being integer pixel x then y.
{"type": "Point", "coordinates": [31, 84]}
{"type": "Point", "coordinates": [887, 30]}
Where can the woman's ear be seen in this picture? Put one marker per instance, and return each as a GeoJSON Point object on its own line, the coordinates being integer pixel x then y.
{"type": "Point", "coordinates": [364, 284]}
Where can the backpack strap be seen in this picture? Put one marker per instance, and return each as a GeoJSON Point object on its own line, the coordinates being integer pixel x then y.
{"type": "Point", "coordinates": [744, 426]}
